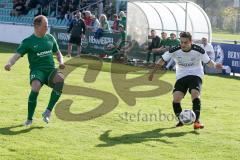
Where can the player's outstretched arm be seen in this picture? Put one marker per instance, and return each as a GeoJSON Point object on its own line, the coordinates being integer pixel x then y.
{"type": "Point", "coordinates": [12, 61]}
{"type": "Point", "coordinates": [60, 60]}
{"type": "Point", "coordinates": [158, 65]}
{"type": "Point", "coordinates": [214, 65]}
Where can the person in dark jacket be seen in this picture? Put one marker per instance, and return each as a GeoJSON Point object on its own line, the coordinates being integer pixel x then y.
{"type": "Point", "coordinates": [153, 46]}
{"type": "Point", "coordinates": [77, 31]}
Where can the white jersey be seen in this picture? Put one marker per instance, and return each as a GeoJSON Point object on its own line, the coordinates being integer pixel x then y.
{"type": "Point", "coordinates": [209, 50]}
{"type": "Point", "coordinates": [187, 63]}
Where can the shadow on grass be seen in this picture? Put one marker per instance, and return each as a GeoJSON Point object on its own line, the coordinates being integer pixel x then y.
{"type": "Point", "coordinates": [22, 129]}
{"type": "Point", "coordinates": [154, 135]}
{"type": "Point", "coordinates": [224, 76]}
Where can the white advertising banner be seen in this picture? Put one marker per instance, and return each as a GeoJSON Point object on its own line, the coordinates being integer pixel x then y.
{"type": "Point", "coordinates": [14, 33]}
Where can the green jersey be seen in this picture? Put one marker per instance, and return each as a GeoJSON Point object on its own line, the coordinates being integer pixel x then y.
{"type": "Point", "coordinates": [164, 42]}
{"type": "Point", "coordinates": [39, 50]}
{"type": "Point", "coordinates": [123, 22]}
{"type": "Point", "coordinates": [123, 36]}
{"type": "Point", "coordinates": [174, 42]}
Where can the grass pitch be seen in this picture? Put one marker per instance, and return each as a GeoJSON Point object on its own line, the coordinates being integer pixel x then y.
{"type": "Point", "coordinates": [127, 131]}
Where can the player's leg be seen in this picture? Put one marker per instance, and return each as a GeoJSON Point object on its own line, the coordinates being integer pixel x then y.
{"type": "Point", "coordinates": [70, 43]}
{"type": "Point", "coordinates": [196, 102]}
{"type": "Point", "coordinates": [35, 80]}
{"type": "Point", "coordinates": [56, 82]}
{"type": "Point", "coordinates": [180, 89]}
{"type": "Point", "coordinates": [196, 108]}
{"type": "Point", "coordinates": [195, 90]}
{"type": "Point", "coordinates": [69, 49]}
{"type": "Point", "coordinates": [154, 57]}
{"type": "Point", "coordinates": [177, 98]}
{"type": "Point", "coordinates": [79, 48]}
{"type": "Point", "coordinates": [148, 57]}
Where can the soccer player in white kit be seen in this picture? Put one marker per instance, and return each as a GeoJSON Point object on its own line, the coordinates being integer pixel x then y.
{"type": "Point", "coordinates": [189, 73]}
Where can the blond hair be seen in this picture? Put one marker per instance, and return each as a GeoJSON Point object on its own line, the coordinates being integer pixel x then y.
{"type": "Point", "coordinates": [38, 20]}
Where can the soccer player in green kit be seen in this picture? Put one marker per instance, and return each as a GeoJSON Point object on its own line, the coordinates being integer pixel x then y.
{"type": "Point", "coordinates": [39, 48]}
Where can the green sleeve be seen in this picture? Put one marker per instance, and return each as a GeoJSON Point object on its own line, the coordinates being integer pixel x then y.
{"type": "Point", "coordinates": [124, 22]}
{"type": "Point", "coordinates": [123, 36]}
{"type": "Point", "coordinates": [22, 48]}
{"type": "Point", "coordinates": [55, 45]}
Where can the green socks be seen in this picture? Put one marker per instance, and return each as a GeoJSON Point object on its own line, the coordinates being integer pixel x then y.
{"type": "Point", "coordinates": [53, 99]}
{"type": "Point", "coordinates": [32, 103]}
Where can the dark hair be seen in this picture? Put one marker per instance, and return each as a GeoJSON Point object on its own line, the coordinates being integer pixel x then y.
{"type": "Point", "coordinates": [152, 30]}
{"type": "Point", "coordinates": [164, 33]}
{"type": "Point", "coordinates": [38, 20]}
{"type": "Point", "coordinates": [186, 35]}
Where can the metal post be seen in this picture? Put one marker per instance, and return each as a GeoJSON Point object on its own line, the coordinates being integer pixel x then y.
{"type": "Point", "coordinates": [49, 9]}
{"type": "Point", "coordinates": [79, 6]}
{"type": "Point", "coordinates": [186, 14]}
{"type": "Point", "coordinates": [235, 23]}
{"type": "Point", "coordinates": [57, 9]}
{"type": "Point", "coordinates": [238, 19]}
{"type": "Point", "coordinates": [236, 5]}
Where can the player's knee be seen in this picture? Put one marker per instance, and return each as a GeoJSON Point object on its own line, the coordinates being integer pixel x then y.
{"type": "Point", "coordinates": [177, 97]}
{"type": "Point", "coordinates": [58, 87]}
{"type": "Point", "coordinates": [195, 94]}
{"type": "Point", "coordinates": [177, 100]}
{"type": "Point", "coordinates": [58, 82]}
{"type": "Point", "coordinates": [36, 85]}
{"type": "Point", "coordinates": [58, 78]}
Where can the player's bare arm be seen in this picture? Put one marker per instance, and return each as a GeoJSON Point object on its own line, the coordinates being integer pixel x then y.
{"type": "Point", "coordinates": [60, 60]}
{"type": "Point", "coordinates": [158, 65]}
{"type": "Point", "coordinates": [214, 65]}
{"type": "Point", "coordinates": [12, 61]}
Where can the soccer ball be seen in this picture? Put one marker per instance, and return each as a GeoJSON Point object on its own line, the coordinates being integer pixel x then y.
{"type": "Point", "coordinates": [187, 117]}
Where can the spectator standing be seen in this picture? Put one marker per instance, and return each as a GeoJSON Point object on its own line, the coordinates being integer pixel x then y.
{"type": "Point", "coordinates": [115, 24]}
{"type": "Point", "coordinates": [77, 30]}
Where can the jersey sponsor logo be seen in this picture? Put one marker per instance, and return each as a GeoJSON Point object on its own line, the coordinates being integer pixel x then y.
{"type": "Point", "coordinates": [186, 64]}
{"type": "Point", "coordinates": [33, 76]}
{"type": "Point", "coordinates": [193, 58]}
{"type": "Point", "coordinates": [45, 53]}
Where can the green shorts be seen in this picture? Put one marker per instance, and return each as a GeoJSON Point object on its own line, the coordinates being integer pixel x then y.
{"type": "Point", "coordinates": [43, 75]}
